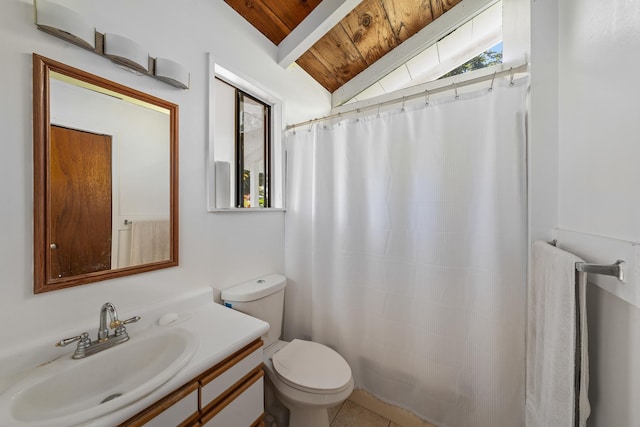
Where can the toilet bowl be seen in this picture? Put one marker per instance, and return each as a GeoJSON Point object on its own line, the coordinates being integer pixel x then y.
{"type": "Point", "coordinates": [307, 377]}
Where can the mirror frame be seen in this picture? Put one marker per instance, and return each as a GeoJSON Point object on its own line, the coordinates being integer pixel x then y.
{"type": "Point", "coordinates": [41, 132]}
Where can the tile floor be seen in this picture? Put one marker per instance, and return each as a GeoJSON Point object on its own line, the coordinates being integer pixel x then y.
{"type": "Point", "coordinates": [351, 414]}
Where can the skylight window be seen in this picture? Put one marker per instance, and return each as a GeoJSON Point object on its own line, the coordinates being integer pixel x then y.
{"type": "Point", "coordinates": [487, 58]}
{"type": "Point", "coordinates": [477, 42]}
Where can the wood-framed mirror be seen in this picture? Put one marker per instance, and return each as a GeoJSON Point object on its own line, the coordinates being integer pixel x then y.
{"type": "Point", "coordinates": [105, 178]}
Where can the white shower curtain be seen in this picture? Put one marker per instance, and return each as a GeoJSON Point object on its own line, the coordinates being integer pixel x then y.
{"type": "Point", "coordinates": [406, 252]}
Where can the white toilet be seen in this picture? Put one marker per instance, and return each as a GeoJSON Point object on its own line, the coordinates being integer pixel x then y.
{"type": "Point", "coordinates": [308, 377]}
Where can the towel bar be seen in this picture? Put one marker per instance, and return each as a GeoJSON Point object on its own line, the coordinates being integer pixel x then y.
{"type": "Point", "coordinates": [614, 270]}
{"type": "Point", "coordinates": [606, 270]}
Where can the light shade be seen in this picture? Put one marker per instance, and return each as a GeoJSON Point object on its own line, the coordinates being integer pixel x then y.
{"type": "Point", "coordinates": [64, 23]}
{"type": "Point", "coordinates": [126, 52]}
{"type": "Point", "coordinates": [172, 73]}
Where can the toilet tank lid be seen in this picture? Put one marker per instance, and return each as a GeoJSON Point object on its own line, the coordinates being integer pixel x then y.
{"type": "Point", "coordinates": [254, 289]}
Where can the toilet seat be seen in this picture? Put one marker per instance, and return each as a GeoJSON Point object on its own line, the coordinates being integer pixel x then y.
{"type": "Point", "coordinates": [312, 367]}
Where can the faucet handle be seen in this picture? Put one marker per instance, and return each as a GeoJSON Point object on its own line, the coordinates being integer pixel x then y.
{"type": "Point", "coordinates": [120, 329]}
{"type": "Point", "coordinates": [84, 342]}
{"type": "Point", "coordinates": [117, 323]}
{"type": "Point", "coordinates": [83, 337]}
{"type": "Point", "coordinates": [133, 319]}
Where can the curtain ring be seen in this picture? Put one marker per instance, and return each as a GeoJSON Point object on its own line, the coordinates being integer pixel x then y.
{"type": "Point", "coordinates": [455, 88]}
{"type": "Point", "coordinates": [492, 80]}
{"type": "Point", "coordinates": [426, 98]}
{"type": "Point", "coordinates": [358, 115]}
{"type": "Point", "coordinates": [310, 124]}
{"type": "Point", "coordinates": [339, 119]}
{"type": "Point", "coordinates": [402, 109]}
{"type": "Point", "coordinates": [511, 74]}
{"type": "Point", "coordinates": [378, 115]}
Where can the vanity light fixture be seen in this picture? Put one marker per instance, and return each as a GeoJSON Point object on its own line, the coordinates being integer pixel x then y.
{"type": "Point", "coordinates": [127, 52]}
{"type": "Point", "coordinates": [65, 23]}
{"type": "Point", "coordinates": [68, 25]}
{"type": "Point", "coordinates": [171, 72]}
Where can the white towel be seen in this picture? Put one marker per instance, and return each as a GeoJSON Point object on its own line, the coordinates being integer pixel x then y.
{"type": "Point", "coordinates": [556, 342]}
{"type": "Point", "coordinates": [150, 241]}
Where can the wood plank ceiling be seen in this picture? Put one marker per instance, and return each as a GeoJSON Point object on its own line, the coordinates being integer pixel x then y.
{"type": "Point", "coordinates": [368, 32]}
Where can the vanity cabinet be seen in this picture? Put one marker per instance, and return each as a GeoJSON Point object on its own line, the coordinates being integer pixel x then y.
{"type": "Point", "coordinates": [229, 394]}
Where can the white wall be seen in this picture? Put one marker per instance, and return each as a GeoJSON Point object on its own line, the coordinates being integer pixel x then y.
{"type": "Point", "coordinates": [584, 155]}
{"type": "Point", "coordinates": [599, 176]}
{"type": "Point", "coordinates": [543, 120]}
{"type": "Point", "coordinates": [516, 31]}
{"type": "Point", "coordinates": [225, 134]}
{"type": "Point", "coordinates": [215, 249]}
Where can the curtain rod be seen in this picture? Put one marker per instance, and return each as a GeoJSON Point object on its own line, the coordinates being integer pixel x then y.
{"type": "Point", "coordinates": [453, 86]}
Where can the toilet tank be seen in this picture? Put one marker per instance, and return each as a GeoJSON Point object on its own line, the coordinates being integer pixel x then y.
{"type": "Point", "coordinates": [262, 298]}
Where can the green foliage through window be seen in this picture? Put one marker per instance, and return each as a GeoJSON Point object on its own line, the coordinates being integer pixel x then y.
{"type": "Point", "coordinates": [487, 58]}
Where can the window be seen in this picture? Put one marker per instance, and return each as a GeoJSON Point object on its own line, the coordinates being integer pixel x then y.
{"type": "Point", "coordinates": [252, 148]}
{"type": "Point", "coordinates": [487, 58]}
{"type": "Point", "coordinates": [245, 148]}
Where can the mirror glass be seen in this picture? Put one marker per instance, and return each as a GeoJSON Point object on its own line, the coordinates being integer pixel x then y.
{"type": "Point", "coordinates": [105, 168]}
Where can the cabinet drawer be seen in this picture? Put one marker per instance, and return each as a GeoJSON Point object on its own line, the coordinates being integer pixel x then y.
{"type": "Point", "coordinates": [215, 384]}
{"type": "Point", "coordinates": [178, 408]}
{"type": "Point", "coordinates": [177, 413]}
{"type": "Point", "coordinates": [241, 409]}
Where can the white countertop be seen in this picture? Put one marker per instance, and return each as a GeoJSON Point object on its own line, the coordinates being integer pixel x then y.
{"type": "Point", "coordinates": [221, 331]}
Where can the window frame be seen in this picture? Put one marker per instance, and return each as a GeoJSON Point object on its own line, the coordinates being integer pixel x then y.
{"type": "Point", "coordinates": [239, 150]}
{"type": "Point", "coordinates": [276, 157]}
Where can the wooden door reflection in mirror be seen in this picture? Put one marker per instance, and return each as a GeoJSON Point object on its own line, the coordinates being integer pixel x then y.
{"type": "Point", "coordinates": [106, 178]}
{"type": "Point", "coordinates": [80, 198]}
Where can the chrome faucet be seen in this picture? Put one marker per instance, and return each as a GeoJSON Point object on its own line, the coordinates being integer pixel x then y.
{"type": "Point", "coordinates": [108, 320]}
{"type": "Point", "coordinates": [107, 310]}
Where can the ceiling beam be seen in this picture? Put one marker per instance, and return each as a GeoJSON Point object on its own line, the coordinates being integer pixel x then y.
{"type": "Point", "coordinates": [323, 18]}
{"type": "Point", "coordinates": [452, 19]}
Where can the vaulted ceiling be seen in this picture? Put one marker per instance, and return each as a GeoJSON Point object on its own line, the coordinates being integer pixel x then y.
{"type": "Point", "coordinates": [365, 32]}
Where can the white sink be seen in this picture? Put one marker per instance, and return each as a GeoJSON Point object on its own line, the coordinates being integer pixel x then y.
{"type": "Point", "coordinates": [69, 392]}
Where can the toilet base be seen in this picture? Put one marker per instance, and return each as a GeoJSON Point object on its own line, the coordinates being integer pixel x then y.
{"type": "Point", "coordinates": [305, 415]}
{"type": "Point", "coordinates": [274, 407]}
{"type": "Point", "coordinates": [308, 417]}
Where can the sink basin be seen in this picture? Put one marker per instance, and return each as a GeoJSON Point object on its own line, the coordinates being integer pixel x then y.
{"type": "Point", "coordinates": [68, 392]}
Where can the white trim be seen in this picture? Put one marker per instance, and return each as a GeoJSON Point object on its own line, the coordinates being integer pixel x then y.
{"type": "Point", "coordinates": [319, 22]}
{"type": "Point", "coordinates": [211, 110]}
{"type": "Point", "coordinates": [452, 19]}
